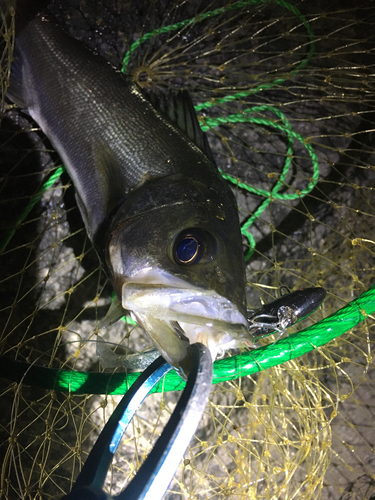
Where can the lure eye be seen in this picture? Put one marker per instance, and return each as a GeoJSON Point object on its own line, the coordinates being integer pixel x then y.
{"type": "Point", "coordinates": [193, 246]}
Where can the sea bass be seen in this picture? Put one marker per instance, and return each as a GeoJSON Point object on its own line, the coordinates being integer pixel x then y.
{"type": "Point", "coordinates": [162, 220]}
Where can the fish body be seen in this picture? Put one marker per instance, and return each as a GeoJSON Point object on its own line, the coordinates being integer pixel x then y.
{"type": "Point", "coordinates": [162, 220]}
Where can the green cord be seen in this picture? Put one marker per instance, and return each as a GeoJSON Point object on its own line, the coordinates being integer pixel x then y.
{"type": "Point", "coordinates": [233, 118]}
{"type": "Point", "coordinates": [242, 117]}
{"type": "Point", "coordinates": [216, 12]}
{"type": "Point", "coordinates": [273, 194]}
{"type": "Point", "coordinates": [229, 368]}
{"type": "Point", "coordinates": [182, 24]}
{"type": "Point", "coordinates": [244, 364]}
{"type": "Point", "coordinates": [212, 13]}
{"type": "Point", "coordinates": [35, 198]}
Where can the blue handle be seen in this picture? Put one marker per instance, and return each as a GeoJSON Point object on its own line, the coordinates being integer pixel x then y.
{"type": "Point", "coordinates": [157, 471]}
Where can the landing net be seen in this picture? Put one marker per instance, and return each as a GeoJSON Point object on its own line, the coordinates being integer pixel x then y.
{"type": "Point", "coordinates": [285, 92]}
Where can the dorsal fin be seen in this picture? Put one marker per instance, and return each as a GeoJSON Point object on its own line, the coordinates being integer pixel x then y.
{"type": "Point", "coordinates": [180, 110]}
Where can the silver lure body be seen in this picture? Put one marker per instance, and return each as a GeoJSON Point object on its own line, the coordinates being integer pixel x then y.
{"type": "Point", "coordinates": [139, 182]}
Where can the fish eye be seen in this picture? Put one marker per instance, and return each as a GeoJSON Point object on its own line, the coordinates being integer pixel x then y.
{"type": "Point", "coordinates": [191, 246]}
{"type": "Point", "coordinates": [187, 250]}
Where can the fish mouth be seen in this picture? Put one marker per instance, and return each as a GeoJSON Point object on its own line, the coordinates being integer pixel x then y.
{"type": "Point", "coordinates": [175, 314]}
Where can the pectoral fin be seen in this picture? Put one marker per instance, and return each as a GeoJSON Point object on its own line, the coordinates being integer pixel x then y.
{"type": "Point", "coordinates": [114, 313]}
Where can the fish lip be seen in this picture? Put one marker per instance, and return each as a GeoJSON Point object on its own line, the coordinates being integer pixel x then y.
{"type": "Point", "coordinates": [185, 304]}
{"type": "Point", "coordinates": [162, 302]}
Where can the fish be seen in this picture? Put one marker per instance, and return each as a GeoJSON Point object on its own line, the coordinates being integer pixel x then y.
{"type": "Point", "coordinates": [163, 222]}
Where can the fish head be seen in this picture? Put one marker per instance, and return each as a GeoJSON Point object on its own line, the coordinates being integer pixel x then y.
{"type": "Point", "coordinates": [176, 261]}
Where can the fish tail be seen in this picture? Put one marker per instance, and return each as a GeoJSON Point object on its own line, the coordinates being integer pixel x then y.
{"type": "Point", "coordinates": [25, 12]}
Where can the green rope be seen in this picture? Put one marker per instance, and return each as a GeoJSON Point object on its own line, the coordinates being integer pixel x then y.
{"type": "Point", "coordinates": [34, 199]}
{"type": "Point", "coordinates": [231, 368]}
{"type": "Point", "coordinates": [242, 117]}
{"type": "Point", "coordinates": [182, 24]}
{"type": "Point", "coordinates": [274, 193]}
{"type": "Point", "coordinates": [234, 118]}
{"type": "Point", "coordinates": [216, 12]}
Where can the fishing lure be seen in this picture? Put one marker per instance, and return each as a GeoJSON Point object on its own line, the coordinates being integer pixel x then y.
{"type": "Point", "coordinates": [280, 314]}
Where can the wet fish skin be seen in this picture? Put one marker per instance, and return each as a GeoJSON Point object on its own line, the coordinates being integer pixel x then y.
{"type": "Point", "coordinates": [140, 183]}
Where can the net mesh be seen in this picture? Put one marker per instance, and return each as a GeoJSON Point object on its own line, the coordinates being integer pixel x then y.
{"type": "Point", "coordinates": [288, 101]}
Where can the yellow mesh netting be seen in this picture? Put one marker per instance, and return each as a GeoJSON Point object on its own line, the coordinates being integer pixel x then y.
{"type": "Point", "coordinates": [7, 13]}
{"type": "Point", "coordinates": [291, 90]}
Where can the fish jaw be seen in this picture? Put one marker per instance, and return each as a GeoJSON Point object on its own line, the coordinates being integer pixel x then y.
{"type": "Point", "coordinates": [176, 314]}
